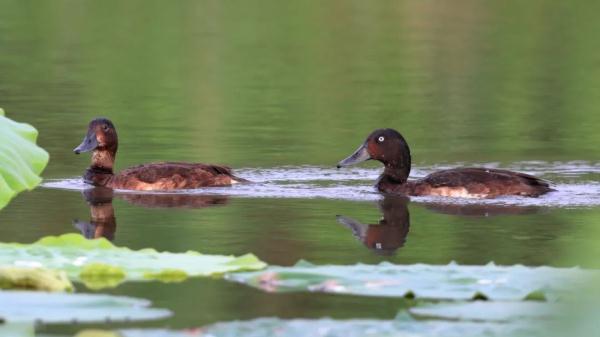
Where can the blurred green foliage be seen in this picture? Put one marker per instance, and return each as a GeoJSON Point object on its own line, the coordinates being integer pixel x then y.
{"type": "Point", "coordinates": [301, 83]}
{"type": "Point", "coordinates": [21, 160]}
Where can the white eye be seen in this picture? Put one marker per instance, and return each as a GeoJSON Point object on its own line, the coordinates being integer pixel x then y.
{"type": "Point", "coordinates": [380, 139]}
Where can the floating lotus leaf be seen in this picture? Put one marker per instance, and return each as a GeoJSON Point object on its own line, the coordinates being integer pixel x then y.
{"type": "Point", "coordinates": [447, 282]}
{"type": "Point", "coordinates": [98, 263]}
{"type": "Point", "coordinates": [402, 326]}
{"type": "Point", "coordinates": [34, 278]}
{"type": "Point", "coordinates": [97, 333]}
{"type": "Point", "coordinates": [490, 311]}
{"type": "Point", "coordinates": [20, 329]}
{"type": "Point", "coordinates": [21, 160]}
{"type": "Point", "coordinates": [25, 306]}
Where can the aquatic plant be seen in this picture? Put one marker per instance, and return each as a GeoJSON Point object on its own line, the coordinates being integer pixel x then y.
{"type": "Point", "coordinates": [34, 279]}
{"type": "Point", "coordinates": [21, 160]}
{"type": "Point", "coordinates": [25, 306]}
{"type": "Point", "coordinates": [443, 282]}
{"type": "Point", "coordinates": [99, 264]}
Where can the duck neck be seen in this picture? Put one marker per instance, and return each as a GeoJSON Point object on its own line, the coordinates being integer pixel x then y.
{"type": "Point", "coordinates": [397, 170]}
{"type": "Point", "coordinates": [103, 160]}
{"type": "Point", "coordinates": [101, 171]}
{"type": "Point", "coordinates": [397, 175]}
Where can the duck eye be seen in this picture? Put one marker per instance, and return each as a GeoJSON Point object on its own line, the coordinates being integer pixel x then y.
{"type": "Point", "coordinates": [380, 139]}
{"type": "Point", "coordinates": [105, 127]}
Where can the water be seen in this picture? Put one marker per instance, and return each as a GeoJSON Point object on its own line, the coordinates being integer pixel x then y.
{"type": "Point", "coordinates": [283, 91]}
{"type": "Point", "coordinates": [573, 182]}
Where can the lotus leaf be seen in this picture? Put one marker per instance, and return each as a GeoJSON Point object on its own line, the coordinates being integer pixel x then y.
{"type": "Point", "coordinates": [21, 160]}
{"type": "Point", "coordinates": [444, 282]}
{"type": "Point", "coordinates": [34, 278]}
{"type": "Point", "coordinates": [489, 311]}
{"type": "Point", "coordinates": [98, 263]}
{"type": "Point", "coordinates": [403, 326]}
{"type": "Point", "coordinates": [26, 306]}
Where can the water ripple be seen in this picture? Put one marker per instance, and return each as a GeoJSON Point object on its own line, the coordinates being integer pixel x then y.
{"type": "Point", "coordinates": [571, 179]}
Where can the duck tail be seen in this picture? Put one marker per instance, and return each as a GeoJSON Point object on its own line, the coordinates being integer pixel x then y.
{"type": "Point", "coordinates": [238, 180]}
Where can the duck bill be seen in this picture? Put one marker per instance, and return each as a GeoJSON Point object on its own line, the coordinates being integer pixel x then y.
{"type": "Point", "coordinates": [349, 222]}
{"type": "Point", "coordinates": [89, 143]}
{"type": "Point", "coordinates": [360, 155]}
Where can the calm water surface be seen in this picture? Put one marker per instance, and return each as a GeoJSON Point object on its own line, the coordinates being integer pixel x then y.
{"type": "Point", "coordinates": [282, 92]}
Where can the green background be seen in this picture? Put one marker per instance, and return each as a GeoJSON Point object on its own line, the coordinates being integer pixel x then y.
{"type": "Point", "coordinates": [260, 84]}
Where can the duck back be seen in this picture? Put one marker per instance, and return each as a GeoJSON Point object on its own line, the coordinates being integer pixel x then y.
{"type": "Point", "coordinates": [173, 175]}
{"type": "Point", "coordinates": [473, 182]}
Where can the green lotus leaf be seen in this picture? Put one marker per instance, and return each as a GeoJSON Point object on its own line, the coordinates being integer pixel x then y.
{"type": "Point", "coordinates": [402, 326]}
{"type": "Point", "coordinates": [100, 275]}
{"type": "Point", "coordinates": [25, 306]}
{"type": "Point", "coordinates": [21, 160]}
{"type": "Point", "coordinates": [34, 278]}
{"type": "Point", "coordinates": [99, 264]}
{"type": "Point", "coordinates": [97, 333]}
{"type": "Point", "coordinates": [20, 329]}
{"type": "Point", "coordinates": [490, 311]}
{"type": "Point", "coordinates": [446, 282]}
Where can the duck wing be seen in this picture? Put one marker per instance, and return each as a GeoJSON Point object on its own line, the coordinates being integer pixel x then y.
{"type": "Point", "coordinates": [484, 182]}
{"type": "Point", "coordinates": [173, 175]}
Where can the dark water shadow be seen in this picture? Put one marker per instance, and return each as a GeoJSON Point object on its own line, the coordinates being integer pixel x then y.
{"type": "Point", "coordinates": [103, 222]}
{"type": "Point", "coordinates": [387, 235]}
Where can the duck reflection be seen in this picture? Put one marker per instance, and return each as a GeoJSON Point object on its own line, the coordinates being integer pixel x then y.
{"type": "Point", "coordinates": [481, 210]}
{"type": "Point", "coordinates": [174, 200]}
{"type": "Point", "coordinates": [103, 223]}
{"type": "Point", "coordinates": [102, 214]}
{"type": "Point", "coordinates": [389, 233]}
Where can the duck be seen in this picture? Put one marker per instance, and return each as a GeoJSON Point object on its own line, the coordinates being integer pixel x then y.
{"type": "Point", "coordinates": [391, 149]}
{"type": "Point", "coordinates": [101, 139]}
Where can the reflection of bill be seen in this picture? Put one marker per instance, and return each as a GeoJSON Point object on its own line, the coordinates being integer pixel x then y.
{"type": "Point", "coordinates": [389, 233]}
{"type": "Point", "coordinates": [102, 214]}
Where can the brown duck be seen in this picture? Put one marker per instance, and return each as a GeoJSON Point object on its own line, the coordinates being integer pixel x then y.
{"type": "Point", "coordinates": [389, 147]}
{"type": "Point", "coordinates": [101, 139]}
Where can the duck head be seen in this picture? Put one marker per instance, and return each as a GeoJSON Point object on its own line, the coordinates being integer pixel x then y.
{"type": "Point", "coordinates": [101, 135]}
{"type": "Point", "coordinates": [386, 146]}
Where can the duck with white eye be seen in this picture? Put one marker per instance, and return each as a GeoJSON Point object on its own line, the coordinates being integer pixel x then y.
{"type": "Point", "coordinates": [391, 149]}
